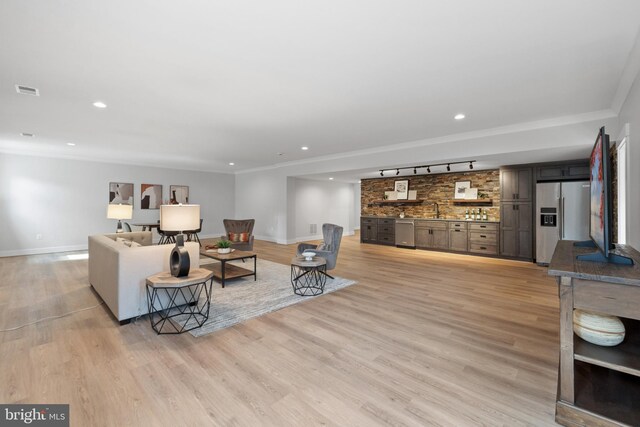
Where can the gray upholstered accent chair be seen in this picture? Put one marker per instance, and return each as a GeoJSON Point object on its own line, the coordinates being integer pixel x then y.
{"type": "Point", "coordinates": [239, 226]}
{"type": "Point", "coordinates": [329, 248]}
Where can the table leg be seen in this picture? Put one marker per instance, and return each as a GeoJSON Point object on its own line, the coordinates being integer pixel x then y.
{"type": "Point", "coordinates": [222, 263]}
{"type": "Point", "coordinates": [255, 268]}
{"type": "Point", "coordinates": [567, 377]}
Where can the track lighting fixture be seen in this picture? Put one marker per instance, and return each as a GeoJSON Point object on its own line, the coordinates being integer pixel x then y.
{"type": "Point", "coordinates": [415, 168]}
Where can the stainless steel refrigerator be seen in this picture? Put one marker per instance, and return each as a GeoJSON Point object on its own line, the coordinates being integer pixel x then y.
{"type": "Point", "coordinates": [562, 213]}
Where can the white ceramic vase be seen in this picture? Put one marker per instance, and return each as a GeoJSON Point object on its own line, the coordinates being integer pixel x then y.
{"type": "Point", "coordinates": [224, 250]}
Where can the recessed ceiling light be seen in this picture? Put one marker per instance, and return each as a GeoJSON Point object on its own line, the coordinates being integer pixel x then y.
{"type": "Point", "coordinates": [331, 179]}
{"type": "Point", "coordinates": [71, 144]}
{"type": "Point", "coordinates": [27, 134]}
{"type": "Point", "coordinates": [459, 116]}
{"type": "Point", "coordinates": [99, 104]}
{"type": "Point", "coordinates": [231, 163]}
{"type": "Point", "coordinates": [304, 148]}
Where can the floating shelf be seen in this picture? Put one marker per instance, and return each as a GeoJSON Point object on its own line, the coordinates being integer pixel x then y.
{"type": "Point", "coordinates": [396, 202]}
{"type": "Point", "coordinates": [473, 201]}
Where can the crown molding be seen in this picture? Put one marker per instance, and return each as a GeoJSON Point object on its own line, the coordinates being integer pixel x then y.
{"type": "Point", "coordinates": [629, 74]}
{"type": "Point", "coordinates": [108, 162]}
{"type": "Point", "coordinates": [515, 128]}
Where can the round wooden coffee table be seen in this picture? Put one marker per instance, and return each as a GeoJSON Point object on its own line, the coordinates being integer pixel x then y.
{"type": "Point", "coordinates": [308, 277]}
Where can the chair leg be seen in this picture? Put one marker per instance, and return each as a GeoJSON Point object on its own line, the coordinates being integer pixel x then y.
{"type": "Point", "coordinates": [197, 239]}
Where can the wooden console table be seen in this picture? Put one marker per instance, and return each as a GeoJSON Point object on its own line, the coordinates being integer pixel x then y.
{"type": "Point", "coordinates": [598, 386]}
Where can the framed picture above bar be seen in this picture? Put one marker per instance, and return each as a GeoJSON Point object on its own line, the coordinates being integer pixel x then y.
{"type": "Point", "coordinates": [461, 189]}
{"type": "Point", "coordinates": [178, 194]}
{"type": "Point", "coordinates": [150, 196]}
{"type": "Point", "coordinates": [120, 193]}
{"type": "Point", "coordinates": [402, 189]}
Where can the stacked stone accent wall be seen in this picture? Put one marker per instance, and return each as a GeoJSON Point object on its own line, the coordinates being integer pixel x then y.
{"type": "Point", "coordinates": [437, 188]}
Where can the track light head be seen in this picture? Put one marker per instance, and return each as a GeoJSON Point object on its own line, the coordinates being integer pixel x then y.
{"type": "Point", "coordinates": [415, 171]}
{"type": "Point", "coordinates": [428, 169]}
{"type": "Point", "coordinates": [470, 165]}
{"type": "Point", "coordinates": [448, 167]}
{"type": "Point", "coordinates": [397, 171]}
{"type": "Point", "coordinates": [381, 173]}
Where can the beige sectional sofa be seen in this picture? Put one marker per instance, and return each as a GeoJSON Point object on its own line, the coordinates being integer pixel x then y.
{"type": "Point", "coordinates": [118, 271]}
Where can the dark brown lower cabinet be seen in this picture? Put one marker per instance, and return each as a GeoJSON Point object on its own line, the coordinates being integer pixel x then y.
{"type": "Point", "coordinates": [377, 230]}
{"type": "Point", "coordinates": [516, 234]}
{"type": "Point", "coordinates": [431, 234]}
{"type": "Point", "coordinates": [458, 240]}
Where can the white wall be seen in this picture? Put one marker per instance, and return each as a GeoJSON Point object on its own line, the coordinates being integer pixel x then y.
{"type": "Point", "coordinates": [630, 113]}
{"type": "Point", "coordinates": [66, 200]}
{"type": "Point", "coordinates": [284, 206]}
{"type": "Point", "coordinates": [263, 196]}
{"type": "Point", "coordinates": [318, 202]}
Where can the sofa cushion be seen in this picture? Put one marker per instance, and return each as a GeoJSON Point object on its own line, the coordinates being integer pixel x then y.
{"type": "Point", "coordinates": [145, 238]}
{"type": "Point", "coordinates": [127, 243]}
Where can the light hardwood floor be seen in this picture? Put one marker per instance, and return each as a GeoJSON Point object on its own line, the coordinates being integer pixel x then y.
{"type": "Point", "coordinates": [424, 338]}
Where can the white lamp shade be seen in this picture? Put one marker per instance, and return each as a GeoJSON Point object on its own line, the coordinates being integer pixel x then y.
{"type": "Point", "coordinates": [179, 217]}
{"type": "Point", "coordinates": [120, 211]}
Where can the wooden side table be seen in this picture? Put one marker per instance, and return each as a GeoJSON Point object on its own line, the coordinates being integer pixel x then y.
{"type": "Point", "coordinates": [308, 277]}
{"type": "Point", "coordinates": [170, 297]}
{"type": "Point", "coordinates": [597, 386]}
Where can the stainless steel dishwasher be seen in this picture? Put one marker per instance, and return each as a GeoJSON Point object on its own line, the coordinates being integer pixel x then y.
{"type": "Point", "coordinates": [404, 233]}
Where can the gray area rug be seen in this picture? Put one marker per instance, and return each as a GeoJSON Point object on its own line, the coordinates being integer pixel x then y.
{"type": "Point", "coordinates": [244, 298]}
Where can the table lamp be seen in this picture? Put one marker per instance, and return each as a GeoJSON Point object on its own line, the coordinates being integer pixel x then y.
{"type": "Point", "coordinates": [179, 218]}
{"type": "Point", "coordinates": [119, 212]}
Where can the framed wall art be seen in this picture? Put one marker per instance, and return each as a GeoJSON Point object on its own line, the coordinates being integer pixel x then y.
{"type": "Point", "coordinates": [120, 193]}
{"type": "Point", "coordinates": [402, 189]}
{"type": "Point", "coordinates": [461, 189]}
{"type": "Point", "coordinates": [178, 194]}
{"type": "Point", "coordinates": [150, 196]}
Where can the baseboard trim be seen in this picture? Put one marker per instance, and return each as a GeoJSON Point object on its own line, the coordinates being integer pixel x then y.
{"type": "Point", "coordinates": [40, 251]}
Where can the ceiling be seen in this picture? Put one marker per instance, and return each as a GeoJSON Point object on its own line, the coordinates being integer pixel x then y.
{"type": "Point", "coordinates": [200, 84]}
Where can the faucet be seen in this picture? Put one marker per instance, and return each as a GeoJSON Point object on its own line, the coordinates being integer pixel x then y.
{"type": "Point", "coordinates": [437, 209]}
